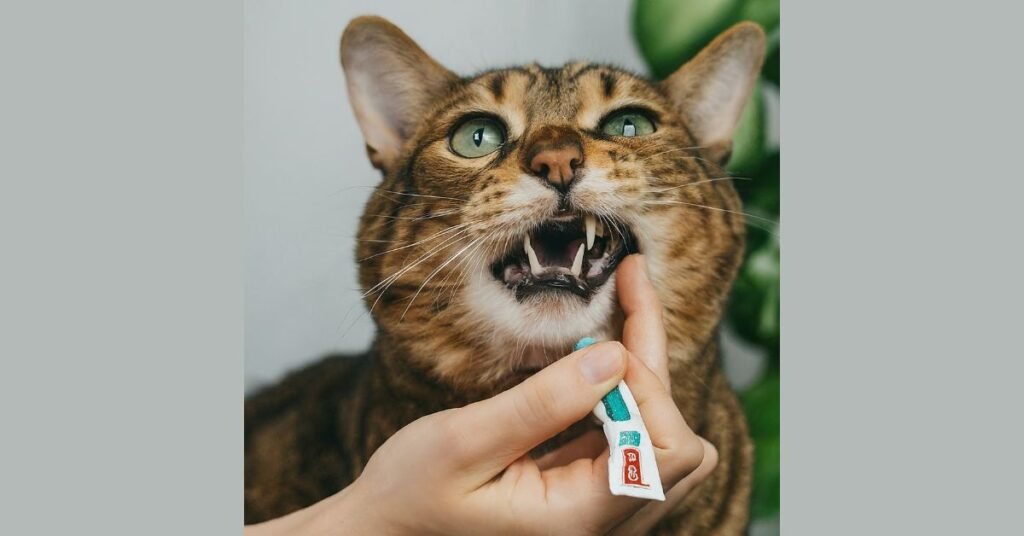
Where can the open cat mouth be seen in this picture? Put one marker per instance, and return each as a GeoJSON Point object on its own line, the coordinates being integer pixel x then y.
{"type": "Point", "coordinates": [576, 254]}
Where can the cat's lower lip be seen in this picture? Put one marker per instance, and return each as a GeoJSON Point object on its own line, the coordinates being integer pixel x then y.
{"type": "Point", "coordinates": [575, 255]}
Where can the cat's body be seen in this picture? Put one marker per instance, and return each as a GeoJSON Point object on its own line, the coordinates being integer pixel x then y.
{"type": "Point", "coordinates": [462, 313]}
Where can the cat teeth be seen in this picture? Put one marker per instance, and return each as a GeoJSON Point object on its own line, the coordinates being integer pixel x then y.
{"type": "Point", "coordinates": [600, 228]}
{"type": "Point", "coordinates": [591, 224]}
{"type": "Point", "coordinates": [535, 265]}
{"type": "Point", "coordinates": [577, 263]}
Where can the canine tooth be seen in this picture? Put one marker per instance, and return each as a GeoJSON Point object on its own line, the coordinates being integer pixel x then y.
{"type": "Point", "coordinates": [577, 263]}
{"type": "Point", "coordinates": [591, 224]}
{"type": "Point", "coordinates": [535, 265]}
{"type": "Point", "coordinates": [600, 228]}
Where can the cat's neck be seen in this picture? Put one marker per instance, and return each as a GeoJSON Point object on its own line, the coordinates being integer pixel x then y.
{"type": "Point", "coordinates": [412, 378]}
{"type": "Point", "coordinates": [408, 378]}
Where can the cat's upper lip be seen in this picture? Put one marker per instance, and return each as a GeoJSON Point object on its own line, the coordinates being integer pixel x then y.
{"type": "Point", "coordinates": [574, 252]}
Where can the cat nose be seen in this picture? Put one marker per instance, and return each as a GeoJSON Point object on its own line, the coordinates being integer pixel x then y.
{"type": "Point", "coordinates": [558, 166]}
{"type": "Point", "coordinates": [554, 155]}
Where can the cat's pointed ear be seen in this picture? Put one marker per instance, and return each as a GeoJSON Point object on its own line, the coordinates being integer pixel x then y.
{"type": "Point", "coordinates": [391, 83]}
{"type": "Point", "coordinates": [712, 89]}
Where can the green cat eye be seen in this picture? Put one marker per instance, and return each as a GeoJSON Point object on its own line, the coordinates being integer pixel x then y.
{"type": "Point", "coordinates": [477, 137]}
{"type": "Point", "coordinates": [627, 124]}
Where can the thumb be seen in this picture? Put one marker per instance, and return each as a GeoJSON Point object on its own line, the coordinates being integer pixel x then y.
{"type": "Point", "coordinates": [503, 428]}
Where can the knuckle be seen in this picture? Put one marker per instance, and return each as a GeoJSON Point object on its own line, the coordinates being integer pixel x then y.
{"type": "Point", "coordinates": [710, 456]}
{"type": "Point", "coordinates": [440, 431]}
{"type": "Point", "coordinates": [690, 453]}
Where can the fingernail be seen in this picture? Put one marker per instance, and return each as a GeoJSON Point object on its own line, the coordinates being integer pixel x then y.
{"type": "Point", "coordinates": [601, 363]}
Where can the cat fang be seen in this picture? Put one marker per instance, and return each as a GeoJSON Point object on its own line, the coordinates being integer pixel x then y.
{"type": "Point", "coordinates": [575, 255]}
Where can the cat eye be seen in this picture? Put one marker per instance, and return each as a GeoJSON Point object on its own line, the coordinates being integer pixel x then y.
{"type": "Point", "coordinates": [627, 124]}
{"type": "Point", "coordinates": [477, 137]}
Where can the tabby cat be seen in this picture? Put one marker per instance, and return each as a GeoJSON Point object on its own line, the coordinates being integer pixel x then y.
{"type": "Point", "coordinates": [489, 247]}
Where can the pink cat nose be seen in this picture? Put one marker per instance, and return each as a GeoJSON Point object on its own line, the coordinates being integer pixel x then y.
{"type": "Point", "coordinates": [554, 154]}
{"type": "Point", "coordinates": [558, 166]}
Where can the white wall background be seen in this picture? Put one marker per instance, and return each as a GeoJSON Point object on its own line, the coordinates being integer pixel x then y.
{"type": "Point", "coordinates": [306, 171]}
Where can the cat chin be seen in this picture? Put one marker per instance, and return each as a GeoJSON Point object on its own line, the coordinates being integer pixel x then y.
{"type": "Point", "coordinates": [550, 321]}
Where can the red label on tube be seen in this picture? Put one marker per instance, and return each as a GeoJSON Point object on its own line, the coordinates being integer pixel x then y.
{"type": "Point", "coordinates": [631, 473]}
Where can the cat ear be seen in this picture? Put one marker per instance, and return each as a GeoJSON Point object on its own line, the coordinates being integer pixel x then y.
{"type": "Point", "coordinates": [711, 89]}
{"type": "Point", "coordinates": [391, 83]}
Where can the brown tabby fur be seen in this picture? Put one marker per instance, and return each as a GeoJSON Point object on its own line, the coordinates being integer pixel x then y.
{"type": "Point", "coordinates": [311, 434]}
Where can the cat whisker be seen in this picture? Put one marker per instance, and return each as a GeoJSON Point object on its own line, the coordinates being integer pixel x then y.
{"type": "Point", "coordinates": [388, 280]}
{"type": "Point", "coordinates": [427, 196]}
{"type": "Point", "coordinates": [745, 214]}
{"type": "Point", "coordinates": [441, 214]}
{"type": "Point", "coordinates": [435, 272]}
{"type": "Point", "coordinates": [378, 189]}
{"type": "Point", "coordinates": [443, 285]}
{"type": "Point", "coordinates": [480, 263]}
{"type": "Point", "coordinates": [471, 263]}
{"type": "Point", "coordinates": [382, 286]}
{"type": "Point", "coordinates": [695, 183]}
{"type": "Point", "coordinates": [385, 289]}
{"type": "Point", "coordinates": [404, 204]}
{"type": "Point", "coordinates": [442, 203]}
{"type": "Point", "coordinates": [438, 234]}
{"type": "Point", "coordinates": [766, 224]}
{"type": "Point", "coordinates": [643, 157]}
{"type": "Point", "coordinates": [690, 157]}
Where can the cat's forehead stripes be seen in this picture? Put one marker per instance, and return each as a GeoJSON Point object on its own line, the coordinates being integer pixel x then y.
{"type": "Point", "coordinates": [608, 81]}
{"type": "Point", "coordinates": [496, 84]}
{"type": "Point", "coordinates": [578, 93]}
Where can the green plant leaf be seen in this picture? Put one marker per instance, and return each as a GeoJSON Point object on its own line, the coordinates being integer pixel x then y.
{"type": "Point", "coordinates": [670, 32]}
{"type": "Point", "coordinates": [759, 188]}
{"type": "Point", "coordinates": [772, 59]}
{"type": "Point", "coordinates": [754, 306]}
{"type": "Point", "coordinates": [763, 12]}
{"type": "Point", "coordinates": [761, 403]}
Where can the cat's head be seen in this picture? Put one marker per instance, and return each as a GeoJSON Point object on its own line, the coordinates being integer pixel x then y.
{"type": "Point", "coordinates": [509, 197]}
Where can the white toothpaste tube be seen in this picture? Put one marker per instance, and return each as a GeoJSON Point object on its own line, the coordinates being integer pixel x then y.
{"type": "Point", "coordinates": [632, 469]}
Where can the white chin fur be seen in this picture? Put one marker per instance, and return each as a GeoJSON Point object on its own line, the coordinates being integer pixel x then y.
{"type": "Point", "coordinates": [551, 320]}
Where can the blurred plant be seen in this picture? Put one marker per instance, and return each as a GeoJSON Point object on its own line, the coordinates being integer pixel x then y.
{"type": "Point", "coordinates": [670, 32]}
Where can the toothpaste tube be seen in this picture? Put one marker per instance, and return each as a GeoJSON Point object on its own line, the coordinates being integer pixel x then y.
{"type": "Point", "coordinates": [632, 470]}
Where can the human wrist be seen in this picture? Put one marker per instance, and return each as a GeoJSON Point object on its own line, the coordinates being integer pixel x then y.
{"type": "Point", "coordinates": [340, 514]}
{"type": "Point", "coordinates": [294, 524]}
{"type": "Point", "coordinates": [347, 512]}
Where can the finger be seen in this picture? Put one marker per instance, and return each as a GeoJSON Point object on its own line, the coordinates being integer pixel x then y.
{"type": "Point", "coordinates": [494, 432]}
{"type": "Point", "coordinates": [643, 332]}
{"type": "Point", "coordinates": [653, 512]}
{"type": "Point", "coordinates": [588, 445]}
{"type": "Point", "coordinates": [677, 448]}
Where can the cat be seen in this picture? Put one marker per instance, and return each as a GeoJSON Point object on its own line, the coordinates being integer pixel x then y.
{"type": "Point", "coordinates": [489, 247]}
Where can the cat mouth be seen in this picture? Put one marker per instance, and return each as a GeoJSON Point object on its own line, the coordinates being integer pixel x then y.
{"type": "Point", "coordinates": [576, 255]}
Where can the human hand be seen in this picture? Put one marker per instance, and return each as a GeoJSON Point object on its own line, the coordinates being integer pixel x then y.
{"type": "Point", "coordinates": [468, 471]}
{"type": "Point", "coordinates": [643, 335]}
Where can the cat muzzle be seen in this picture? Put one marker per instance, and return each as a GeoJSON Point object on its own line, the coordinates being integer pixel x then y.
{"type": "Point", "coordinates": [575, 255]}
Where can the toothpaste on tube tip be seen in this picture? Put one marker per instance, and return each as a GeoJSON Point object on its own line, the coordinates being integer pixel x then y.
{"type": "Point", "coordinates": [632, 470]}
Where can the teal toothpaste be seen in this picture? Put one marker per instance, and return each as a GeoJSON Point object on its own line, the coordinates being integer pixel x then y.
{"type": "Point", "coordinates": [632, 469]}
